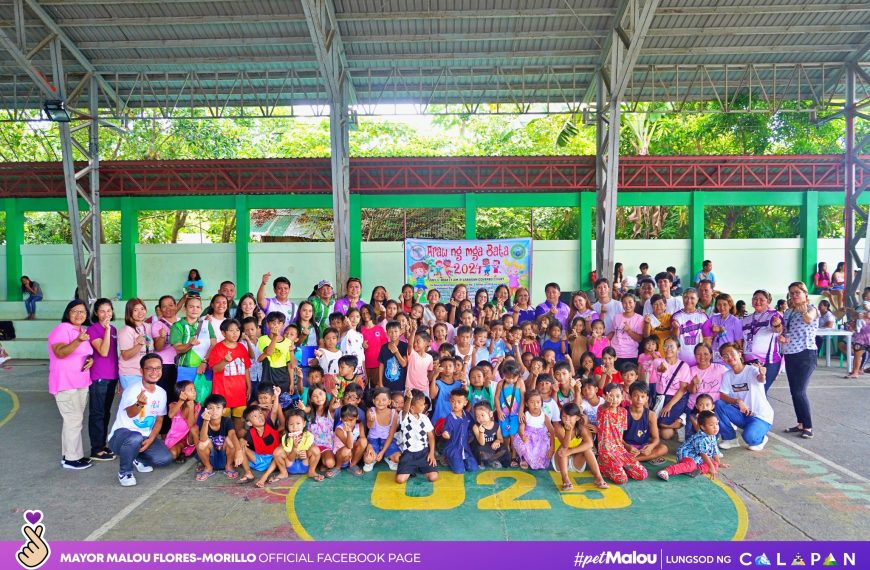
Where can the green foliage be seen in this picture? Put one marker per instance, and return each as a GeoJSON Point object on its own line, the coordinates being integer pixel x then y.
{"type": "Point", "coordinates": [652, 132]}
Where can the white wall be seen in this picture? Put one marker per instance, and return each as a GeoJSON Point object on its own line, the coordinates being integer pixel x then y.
{"type": "Point", "coordinates": [741, 266]}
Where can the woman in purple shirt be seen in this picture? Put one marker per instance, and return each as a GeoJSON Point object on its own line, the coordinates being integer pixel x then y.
{"type": "Point", "coordinates": [522, 310]}
{"type": "Point", "coordinates": [104, 377]}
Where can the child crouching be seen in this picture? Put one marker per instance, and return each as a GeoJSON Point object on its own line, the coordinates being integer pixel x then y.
{"type": "Point", "coordinates": [418, 440]}
{"type": "Point", "coordinates": [457, 429]}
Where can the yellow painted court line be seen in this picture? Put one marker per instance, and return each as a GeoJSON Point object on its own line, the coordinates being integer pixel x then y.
{"type": "Point", "coordinates": [739, 506]}
{"type": "Point", "coordinates": [15, 406]}
{"type": "Point", "coordinates": [291, 511]}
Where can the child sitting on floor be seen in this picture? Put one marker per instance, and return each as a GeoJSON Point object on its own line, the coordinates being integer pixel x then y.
{"type": "Point", "coordinates": [533, 440]}
{"type": "Point", "coordinates": [488, 445]}
{"type": "Point", "coordinates": [642, 434]}
{"type": "Point", "coordinates": [381, 421]}
{"type": "Point", "coordinates": [617, 464]}
{"type": "Point", "coordinates": [699, 453]}
{"type": "Point", "coordinates": [298, 450]}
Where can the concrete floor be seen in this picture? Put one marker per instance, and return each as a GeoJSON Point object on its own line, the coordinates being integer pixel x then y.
{"type": "Point", "coordinates": [794, 490]}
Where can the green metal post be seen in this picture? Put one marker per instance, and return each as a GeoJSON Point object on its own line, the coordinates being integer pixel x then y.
{"type": "Point", "coordinates": [810, 235]}
{"type": "Point", "coordinates": [243, 237]}
{"type": "Point", "coordinates": [355, 215]}
{"type": "Point", "coordinates": [470, 216]}
{"type": "Point", "coordinates": [129, 238]}
{"type": "Point", "coordinates": [14, 241]}
{"type": "Point", "coordinates": [587, 202]}
{"type": "Point", "coordinates": [696, 233]}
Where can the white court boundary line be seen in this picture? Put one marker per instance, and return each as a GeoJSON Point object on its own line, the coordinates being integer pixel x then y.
{"type": "Point", "coordinates": [819, 458]}
{"type": "Point", "coordinates": [122, 514]}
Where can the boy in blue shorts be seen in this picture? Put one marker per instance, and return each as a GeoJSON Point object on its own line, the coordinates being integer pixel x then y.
{"type": "Point", "coordinates": [260, 444]}
{"type": "Point", "coordinates": [217, 446]}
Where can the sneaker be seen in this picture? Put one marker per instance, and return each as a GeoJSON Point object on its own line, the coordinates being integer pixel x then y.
{"type": "Point", "coordinates": [663, 475]}
{"type": "Point", "coordinates": [141, 467]}
{"type": "Point", "coordinates": [367, 467]}
{"type": "Point", "coordinates": [681, 435]}
{"type": "Point", "coordinates": [103, 455]}
{"type": "Point", "coordinates": [392, 465]}
{"type": "Point", "coordinates": [127, 480]}
{"type": "Point", "coordinates": [760, 446]}
{"type": "Point", "coordinates": [807, 434]}
{"type": "Point", "coordinates": [729, 444]}
{"type": "Point", "coordinates": [78, 464]}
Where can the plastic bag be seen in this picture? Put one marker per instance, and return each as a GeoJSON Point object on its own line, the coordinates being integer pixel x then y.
{"type": "Point", "coordinates": [203, 387]}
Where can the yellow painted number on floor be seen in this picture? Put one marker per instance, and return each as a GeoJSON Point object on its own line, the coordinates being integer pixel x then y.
{"type": "Point", "coordinates": [448, 492]}
{"type": "Point", "coordinates": [507, 498]}
{"type": "Point", "coordinates": [585, 495]}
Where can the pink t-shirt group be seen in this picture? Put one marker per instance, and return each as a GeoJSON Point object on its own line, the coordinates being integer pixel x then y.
{"type": "Point", "coordinates": [66, 373]}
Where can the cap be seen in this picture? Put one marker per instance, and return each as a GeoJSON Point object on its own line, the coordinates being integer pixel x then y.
{"type": "Point", "coordinates": [324, 283]}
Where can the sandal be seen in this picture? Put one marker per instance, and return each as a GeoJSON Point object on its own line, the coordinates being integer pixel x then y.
{"type": "Point", "coordinates": [657, 461]}
{"type": "Point", "coordinates": [231, 473]}
{"type": "Point", "coordinates": [524, 465]}
{"type": "Point", "coordinates": [602, 484]}
{"type": "Point", "coordinates": [514, 463]}
{"type": "Point", "coordinates": [316, 477]}
{"type": "Point", "coordinates": [794, 429]}
{"type": "Point", "coordinates": [204, 475]}
{"type": "Point", "coordinates": [245, 479]}
{"type": "Point", "coordinates": [180, 459]}
{"type": "Point", "coordinates": [276, 478]}
{"type": "Point", "coordinates": [567, 486]}
{"type": "Point", "coordinates": [332, 472]}
{"type": "Point", "coordinates": [355, 470]}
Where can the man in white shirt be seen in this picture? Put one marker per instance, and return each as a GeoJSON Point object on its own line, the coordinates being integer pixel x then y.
{"type": "Point", "coordinates": [140, 414]}
{"type": "Point", "coordinates": [606, 307]}
{"type": "Point", "coordinates": [672, 304]}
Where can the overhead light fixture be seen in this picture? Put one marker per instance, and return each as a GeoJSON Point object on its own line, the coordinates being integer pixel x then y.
{"type": "Point", "coordinates": [55, 111]}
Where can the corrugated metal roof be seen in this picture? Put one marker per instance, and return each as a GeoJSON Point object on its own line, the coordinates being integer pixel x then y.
{"type": "Point", "coordinates": [432, 52]}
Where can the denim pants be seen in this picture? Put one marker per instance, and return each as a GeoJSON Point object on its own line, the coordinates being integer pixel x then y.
{"type": "Point", "coordinates": [770, 374]}
{"type": "Point", "coordinates": [126, 443]}
{"type": "Point", "coordinates": [30, 303]}
{"type": "Point", "coordinates": [754, 429]}
{"type": "Point", "coordinates": [101, 394]}
{"type": "Point", "coordinates": [799, 367]}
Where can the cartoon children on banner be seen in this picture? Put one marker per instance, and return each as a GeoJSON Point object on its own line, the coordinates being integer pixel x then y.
{"type": "Point", "coordinates": [514, 270]}
{"type": "Point", "coordinates": [420, 270]}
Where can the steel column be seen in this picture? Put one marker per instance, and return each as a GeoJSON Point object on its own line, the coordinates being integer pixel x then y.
{"type": "Point", "coordinates": [322, 25]}
{"type": "Point", "coordinates": [856, 213]}
{"type": "Point", "coordinates": [631, 23]}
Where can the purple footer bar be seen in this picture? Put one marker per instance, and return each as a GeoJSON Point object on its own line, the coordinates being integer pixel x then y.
{"type": "Point", "coordinates": [443, 555]}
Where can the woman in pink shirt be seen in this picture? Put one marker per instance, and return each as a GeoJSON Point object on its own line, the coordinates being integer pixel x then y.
{"type": "Point", "coordinates": [627, 332]}
{"type": "Point", "coordinates": [69, 362]}
{"type": "Point", "coordinates": [134, 341]}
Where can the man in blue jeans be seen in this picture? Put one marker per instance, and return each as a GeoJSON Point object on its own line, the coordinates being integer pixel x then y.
{"type": "Point", "coordinates": [140, 414]}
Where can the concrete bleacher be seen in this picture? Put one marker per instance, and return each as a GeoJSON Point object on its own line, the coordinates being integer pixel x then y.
{"type": "Point", "coordinates": [30, 336]}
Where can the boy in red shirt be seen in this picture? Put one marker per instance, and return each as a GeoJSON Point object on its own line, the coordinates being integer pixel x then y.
{"type": "Point", "coordinates": [230, 363]}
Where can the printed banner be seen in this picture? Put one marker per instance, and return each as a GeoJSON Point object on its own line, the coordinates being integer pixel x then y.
{"type": "Point", "coordinates": [479, 264]}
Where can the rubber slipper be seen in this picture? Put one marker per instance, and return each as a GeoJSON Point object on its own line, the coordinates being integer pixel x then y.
{"type": "Point", "coordinates": [355, 470]}
{"type": "Point", "coordinates": [276, 478]}
{"type": "Point", "coordinates": [332, 472]}
{"type": "Point", "coordinates": [231, 473]}
{"type": "Point", "coordinates": [567, 486]}
{"type": "Point", "coordinates": [657, 461]}
{"type": "Point", "coordinates": [204, 475]}
{"type": "Point", "coordinates": [316, 477]}
{"type": "Point", "coordinates": [246, 479]}
{"type": "Point", "coordinates": [793, 429]}
{"type": "Point", "coordinates": [180, 459]}
{"type": "Point", "coordinates": [602, 484]}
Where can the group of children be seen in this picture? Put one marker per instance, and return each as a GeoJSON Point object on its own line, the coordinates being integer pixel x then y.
{"type": "Point", "coordinates": [480, 402]}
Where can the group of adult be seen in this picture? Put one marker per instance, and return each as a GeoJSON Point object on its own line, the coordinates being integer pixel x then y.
{"type": "Point", "coordinates": [90, 359]}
